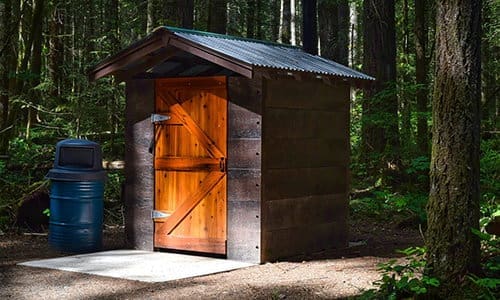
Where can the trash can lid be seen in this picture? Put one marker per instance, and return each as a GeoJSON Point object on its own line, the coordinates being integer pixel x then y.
{"type": "Point", "coordinates": [78, 155]}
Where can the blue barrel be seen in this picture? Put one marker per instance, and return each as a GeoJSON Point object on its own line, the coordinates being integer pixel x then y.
{"type": "Point", "coordinates": [76, 197]}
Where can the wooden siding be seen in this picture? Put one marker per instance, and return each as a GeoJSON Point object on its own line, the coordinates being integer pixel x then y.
{"type": "Point", "coordinates": [244, 169]}
{"type": "Point", "coordinates": [139, 176]}
{"type": "Point", "coordinates": [305, 159]}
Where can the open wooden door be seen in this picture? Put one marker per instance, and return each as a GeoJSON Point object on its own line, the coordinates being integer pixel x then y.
{"type": "Point", "coordinates": [190, 164]}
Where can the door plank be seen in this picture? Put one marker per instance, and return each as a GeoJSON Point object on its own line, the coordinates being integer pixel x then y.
{"type": "Point", "coordinates": [211, 245]}
{"type": "Point", "coordinates": [187, 164]}
{"type": "Point", "coordinates": [192, 200]}
{"type": "Point", "coordinates": [191, 125]}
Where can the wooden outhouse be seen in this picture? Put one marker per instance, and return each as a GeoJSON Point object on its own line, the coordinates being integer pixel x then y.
{"type": "Point", "coordinates": [234, 146]}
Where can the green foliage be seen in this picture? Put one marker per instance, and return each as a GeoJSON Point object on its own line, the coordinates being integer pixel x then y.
{"type": "Point", "coordinates": [385, 205]}
{"type": "Point", "coordinates": [113, 205]}
{"type": "Point", "coordinates": [490, 162]}
{"type": "Point", "coordinates": [402, 280]}
{"type": "Point", "coordinates": [488, 286]}
{"type": "Point", "coordinates": [485, 288]}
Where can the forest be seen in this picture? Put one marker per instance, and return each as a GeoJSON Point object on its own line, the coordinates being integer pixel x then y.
{"type": "Point", "coordinates": [425, 145]}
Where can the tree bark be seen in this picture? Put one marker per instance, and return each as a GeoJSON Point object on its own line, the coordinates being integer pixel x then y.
{"type": "Point", "coordinates": [260, 18]}
{"type": "Point", "coordinates": [275, 20]}
{"type": "Point", "coordinates": [10, 60]}
{"type": "Point", "coordinates": [217, 16]}
{"type": "Point", "coordinates": [5, 58]}
{"type": "Point", "coordinates": [309, 27]}
{"type": "Point", "coordinates": [453, 209]}
{"type": "Point", "coordinates": [186, 9]}
{"type": "Point", "coordinates": [285, 22]}
{"type": "Point", "coordinates": [490, 75]}
{"type": "Point", "coordinates": [380, 133]}
{"type": "Point", "coordinates": [421, 66]}
{"type": "Point", "coordinates": [6, 52]}
{"type": "Point", "coordinates": [342, 46]}
{"type": "Point", "coordinates": [328, 27]}
{"type": "Point", "coordinates": [36, 62]}
{"type": "Point", "coordinates": [405, 97]}
{"type": "Point", "coordinates": [150, 19]}
{"type": "Point", "coordinates": [293, 23]}
{"type": "Point", "coordinates": [56, 29]}
{"type": "Point", "coordinates": [251, 6]}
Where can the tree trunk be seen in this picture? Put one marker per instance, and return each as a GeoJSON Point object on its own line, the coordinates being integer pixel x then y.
{"type": "Point", "coordinates": [453, 209]}
{"type": "Point", "coordinates": [10, 58]}
{"type": "Point", "coordinates": [217, 16]}
{"type": "Point", "coordinates": [293, 23]}
{"type": "Point", "coordinates": [150, 12]}
{"type": "Point", "coordinates": [56, 29]}
{"type": "Point", "coordinates": [309, 27]}
{"type": "Point", "coordinates": [380, 134]}
{"type": "Point", "coordinates": [285, 21]}
{"type": "Point", "coordinates": [36, 62]}
{"type": "Point", "coordinates": [357, 32]}
{"type": "Point", "coordinates": [260, 18]}
{"type": "Point", "coordinates": [185, 9]}
{"type": "Point", "coordinates": [342, 45]}
{"type": "Point", "coordinates": [405, 97]}
{"type": "Point", "coordinates": [421, 66]}
{"type": "Point", "coordinates": [490, 75]}
{"type": "Point", "coordinates": [275, 20]}
{"type": "Point", "coordinates": [328, 27]}
{"type": "Point", "coordinates": [251, 6]}
{"type": "Point", "coordinates": [5, 58]}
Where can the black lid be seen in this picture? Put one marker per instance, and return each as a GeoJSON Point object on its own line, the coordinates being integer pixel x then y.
{"type": "Point", "coordinates": [76, 154]}
{"type": "Point", "coordinates": [77, 160]}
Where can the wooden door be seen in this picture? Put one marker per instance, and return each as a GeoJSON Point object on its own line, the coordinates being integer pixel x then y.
{"type": "Point", "coordinates": [190, 164]}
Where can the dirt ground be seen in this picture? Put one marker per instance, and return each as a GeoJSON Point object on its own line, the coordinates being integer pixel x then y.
{"type": "Point", "coordinates": [334, 274]}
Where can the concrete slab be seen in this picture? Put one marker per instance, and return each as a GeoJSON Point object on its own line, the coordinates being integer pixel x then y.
{"type": "Point", "coordinates": [139, 265]}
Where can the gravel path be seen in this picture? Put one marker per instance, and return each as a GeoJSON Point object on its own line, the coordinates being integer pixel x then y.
{"type": "Point", "coordinates": [327, 275]}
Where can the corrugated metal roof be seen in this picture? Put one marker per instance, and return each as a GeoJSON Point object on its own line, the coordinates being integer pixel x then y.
{"type": "Point", "coordinates": [267, 54]}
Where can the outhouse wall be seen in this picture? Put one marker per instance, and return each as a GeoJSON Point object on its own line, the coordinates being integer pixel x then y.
{"type": "Point", "coordinates": [287, 167]}
{"type": "Point", "coordinates": [139, 172]}
{"type": "Point", "coordinates": [305, 160]}
{"type": "Point", "coordinates": [244, 169]}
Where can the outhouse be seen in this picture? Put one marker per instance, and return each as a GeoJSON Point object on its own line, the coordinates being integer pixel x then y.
{"type": "Point", "coordinates": [233, 146]}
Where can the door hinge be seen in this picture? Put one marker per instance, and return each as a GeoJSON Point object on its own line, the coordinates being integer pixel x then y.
{"type": "Point", "coordinates": [156, 214]}
{"type": "Point", "coordinates": [156, 118]}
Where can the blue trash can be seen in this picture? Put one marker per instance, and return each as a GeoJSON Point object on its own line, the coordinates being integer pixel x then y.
{"type": "Point", "coordinates": [76, 197]}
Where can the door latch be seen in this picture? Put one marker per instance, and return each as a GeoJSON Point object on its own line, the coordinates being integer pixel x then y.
{"type": "Point", "coordinates": [156, 214]}
{"type": "Point", "coordinates": [222, 164]}
{"type": "Point", "coordinates": [156, 118]}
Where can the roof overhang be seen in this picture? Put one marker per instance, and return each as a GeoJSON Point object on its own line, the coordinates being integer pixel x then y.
{"type": "Point", "coordinates": [157, 47]}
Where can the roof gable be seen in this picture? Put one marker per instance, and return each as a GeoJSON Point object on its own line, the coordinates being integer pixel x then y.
{"type": "Point", "coordinates": [239, 55]}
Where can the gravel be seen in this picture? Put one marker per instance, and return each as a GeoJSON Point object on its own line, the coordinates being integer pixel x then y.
{"type": "Point", "coordinates": [327, 275]}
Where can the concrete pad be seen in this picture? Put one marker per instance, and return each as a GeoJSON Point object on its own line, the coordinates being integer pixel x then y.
{"type": "Point", "coordinates": [139, 265]}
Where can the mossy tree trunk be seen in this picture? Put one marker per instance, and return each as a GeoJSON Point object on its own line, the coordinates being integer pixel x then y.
{"type": "Point", "coordinates": [453, 209]}
{"type": "Point", "coordinates": [421, 68]}
{"type": "Point", "coordinates": [380, 132]}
